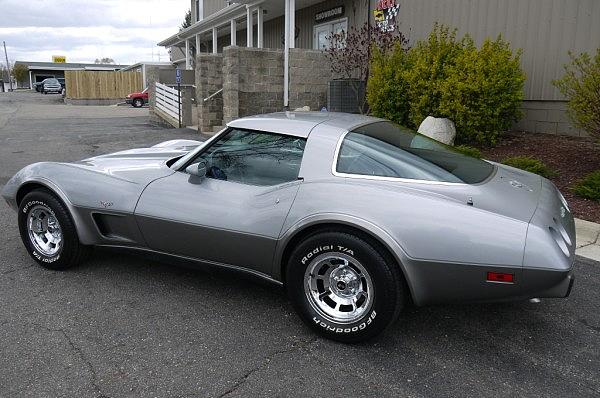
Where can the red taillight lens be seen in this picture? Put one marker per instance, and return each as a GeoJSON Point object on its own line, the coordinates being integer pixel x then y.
{"type": "Point", "coordinates": [500, 277]}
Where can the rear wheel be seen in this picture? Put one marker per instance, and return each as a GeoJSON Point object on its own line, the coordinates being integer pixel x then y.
{"type": "Point", "coordinates": [343, 287]}
{"type": "Point", "coordinates": [48, 232]}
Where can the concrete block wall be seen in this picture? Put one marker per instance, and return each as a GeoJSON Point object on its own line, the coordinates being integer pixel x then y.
{"type": "Point", "coordinates": [252, 81]}
{"type": "Point", "coordinates": [209, 80]}
{"type": "Point", "coordinates": [549, 117]}
{"type": "Point", "coordinates": [152, 76]}
{"type": "Point", "coordinates": [310, 73]}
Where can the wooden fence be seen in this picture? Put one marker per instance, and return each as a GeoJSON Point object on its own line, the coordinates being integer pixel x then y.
{"type": "Point", "coordinates": [101, 84]}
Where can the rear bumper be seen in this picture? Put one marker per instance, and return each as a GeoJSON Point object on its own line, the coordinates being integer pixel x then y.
{"type": "Point", "coordinates": [547, 283]}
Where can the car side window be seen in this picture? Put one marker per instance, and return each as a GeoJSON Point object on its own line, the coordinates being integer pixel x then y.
{"type": "Point", "coordinates": [253, 158]}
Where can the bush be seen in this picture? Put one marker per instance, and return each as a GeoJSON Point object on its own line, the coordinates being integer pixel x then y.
{"type": "Point", "coordinates": [387, 87]}
{"type": "Point", "coordinates": [589, 186]}
{"type": "Point", "coordinates": [530, 164]}
{"type": "Point", "coordinates": [468, 151]}
{"type": "Point", "coordinates": [480, 90]}
{"type": "Point", "coordinates": [581, 86]}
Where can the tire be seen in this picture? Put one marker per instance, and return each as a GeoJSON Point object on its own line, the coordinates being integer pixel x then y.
{"type": "Point", "coordinates": [138, 103]}
{"type": "Point", "coordinates": [62, 249]}
{"type": "Point", "coordinates": [375, 283]}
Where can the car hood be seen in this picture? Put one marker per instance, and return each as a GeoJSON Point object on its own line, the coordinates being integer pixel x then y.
{"type": "Point", "coordinates": [141, 165]}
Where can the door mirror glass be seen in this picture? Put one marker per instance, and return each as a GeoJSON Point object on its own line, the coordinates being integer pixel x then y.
{"type": "Point", "coordinates": [197, 169]}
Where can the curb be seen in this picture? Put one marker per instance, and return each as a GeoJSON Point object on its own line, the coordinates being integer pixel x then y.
{"type": "Point", "coordinates": [588, 239]}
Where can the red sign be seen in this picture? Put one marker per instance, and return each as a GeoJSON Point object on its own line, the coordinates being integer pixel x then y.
{"type": "Point", "coordinates": [383, 4]}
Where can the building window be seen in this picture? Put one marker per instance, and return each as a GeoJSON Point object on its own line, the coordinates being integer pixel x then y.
{"type": "Point", "coordinates": [323, 31]}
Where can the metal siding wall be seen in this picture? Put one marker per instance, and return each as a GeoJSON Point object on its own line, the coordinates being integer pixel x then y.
{"type": "Point", "coordinates": [305, 20]}
{"type": "Point", "coordinates": [545, 29]}
{"type": "Point", "coordinates": [212, 6]}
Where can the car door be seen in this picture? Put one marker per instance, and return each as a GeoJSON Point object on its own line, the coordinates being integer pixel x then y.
{"type": "Point", "coordinates": [235, 214]}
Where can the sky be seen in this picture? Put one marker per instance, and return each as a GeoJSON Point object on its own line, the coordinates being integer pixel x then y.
{"type": "Point", "coordinates": [83, 30]}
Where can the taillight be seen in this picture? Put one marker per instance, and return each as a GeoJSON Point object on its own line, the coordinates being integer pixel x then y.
{"type": "Point", "coordinates": [500, 277]}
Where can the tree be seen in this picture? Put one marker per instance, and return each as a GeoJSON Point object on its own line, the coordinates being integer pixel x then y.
{"type": "Point", "coordinates": [187, 21]}
{"type": "Point", "coordinates": [349, 55]}
{"type": "Point", "coordinates": [105, 60]}
{"type": "Point", "coordinates": [581, 86]}
{"type": "Point", "coordinates": [20, 72]}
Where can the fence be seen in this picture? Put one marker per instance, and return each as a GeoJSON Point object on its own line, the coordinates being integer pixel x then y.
{"type": "Point", "coordinates": [101, 84]}
{"type": "Point", "coordinates": [168, 100]}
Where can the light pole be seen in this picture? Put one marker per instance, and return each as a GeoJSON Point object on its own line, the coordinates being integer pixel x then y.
{"type": "Point", "coordinates": [7, 67]}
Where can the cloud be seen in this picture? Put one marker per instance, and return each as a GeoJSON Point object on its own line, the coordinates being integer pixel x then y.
{"type": "Point", "coordinates": [125, 30]}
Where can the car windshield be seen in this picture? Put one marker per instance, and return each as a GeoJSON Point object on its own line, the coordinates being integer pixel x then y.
{"type": "Point", "coordinates": [50, 81]}
{"type": "Point", "coordinates": [384, 149]}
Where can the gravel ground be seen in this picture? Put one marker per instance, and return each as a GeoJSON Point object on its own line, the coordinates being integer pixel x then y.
{"type": "Point", "coordinates": [124, 325]}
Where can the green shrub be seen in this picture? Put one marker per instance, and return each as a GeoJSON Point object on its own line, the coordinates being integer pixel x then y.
{"type": "Point", "coordinates": [589, 186]}
{"type": "Point", "coordinates": [480, 90]}
{"type": "Point", "coordinates": [387, 86]}
{"type": "Point", "coordinates": [469, 151]}
{"type": "Point", "coordinates": [530, 164]}
{"type": "Point", "coordinates": [581, 86]}
{"type": "Point", "coordinates": [429, 65]}
{"type": "Point", "coordinates": [483, 92]}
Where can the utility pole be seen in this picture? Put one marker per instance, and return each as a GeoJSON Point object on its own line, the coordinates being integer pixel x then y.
{"type": "Point", "coordinates": [7, 67]}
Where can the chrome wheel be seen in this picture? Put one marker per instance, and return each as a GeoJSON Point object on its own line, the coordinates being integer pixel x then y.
{"type": "Point", "coordinates": [44, 230]}
{"type": "Point", "coordinates": [338, 287]}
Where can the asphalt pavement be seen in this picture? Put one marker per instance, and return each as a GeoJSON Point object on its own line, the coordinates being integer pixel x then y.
{"type": "Point", "coordinates": [126, 325]}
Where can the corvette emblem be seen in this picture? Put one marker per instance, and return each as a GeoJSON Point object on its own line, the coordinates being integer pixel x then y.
{"type": "Point", "coordinates": [518, 184]}
{"type": "Point", "coordinates": [106, 205]}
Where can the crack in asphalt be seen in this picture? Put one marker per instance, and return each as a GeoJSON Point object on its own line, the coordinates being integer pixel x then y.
{"type": "Point", "coordinates": [82, 357]}
{"type": "Point", "coordinates": [300, 345]}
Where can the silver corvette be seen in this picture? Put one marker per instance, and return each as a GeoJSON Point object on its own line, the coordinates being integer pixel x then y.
{"type": "Point", "coordinates": [357, 217]}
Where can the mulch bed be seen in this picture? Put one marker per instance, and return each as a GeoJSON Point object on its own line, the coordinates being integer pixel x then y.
{"type": "Point", "coordinates": [572, 158]}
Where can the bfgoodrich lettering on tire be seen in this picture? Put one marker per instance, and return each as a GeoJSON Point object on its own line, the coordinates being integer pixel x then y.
{"type": "Point", "coordinates": [343, 287]}
{"type": "Point", "coordinates": [48, 232]}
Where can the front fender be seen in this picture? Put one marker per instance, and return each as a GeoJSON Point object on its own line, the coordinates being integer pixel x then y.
{"type": "Point", "coordinates": [29, 176]}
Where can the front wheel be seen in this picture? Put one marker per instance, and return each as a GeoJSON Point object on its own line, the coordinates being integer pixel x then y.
{"type": "Point", "coordinates": [48, 232]}
{"type": "Point", "coordinates": [343, 287]}
{"type": "Point", "coordinates": [138, 103]}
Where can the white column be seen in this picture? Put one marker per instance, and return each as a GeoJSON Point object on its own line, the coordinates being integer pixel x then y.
{"type": "Point", "coordinates": [214, 40]}
{"type": "Point", "coordinates": [188, 64]}
{"type": "Point", "coordinates": [197, 45]}
{"type": "Point", "coordinates": [259, 22]}
{"type": "Point", "coordinates": [30, 81]}
{"type": "Point", "coordinates": [249, 27]}
{"type": "Point", "coordinates": [292, 23]}
{"type": "Point", "coordinates": [233, 32]}
{"type": "Point", "coordinates": [286, 56]}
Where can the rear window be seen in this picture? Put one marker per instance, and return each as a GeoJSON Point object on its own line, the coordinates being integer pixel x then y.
{"type": "Point", "coordinates": [384, 149]}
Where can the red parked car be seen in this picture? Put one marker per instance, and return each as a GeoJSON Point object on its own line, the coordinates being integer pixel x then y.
{"type": "Point", "coordinates": [138, 100]}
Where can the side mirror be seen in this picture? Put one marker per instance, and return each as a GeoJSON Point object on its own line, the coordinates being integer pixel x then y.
{"type": "Point", "coordinates": [197, 169]}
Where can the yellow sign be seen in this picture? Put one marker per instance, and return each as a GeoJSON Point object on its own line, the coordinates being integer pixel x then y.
{"type": "Point", "coordinates": [60, 59]}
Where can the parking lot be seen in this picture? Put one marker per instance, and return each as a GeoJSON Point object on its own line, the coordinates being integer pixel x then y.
{"type": "Point", "coordinates": [126, 325]}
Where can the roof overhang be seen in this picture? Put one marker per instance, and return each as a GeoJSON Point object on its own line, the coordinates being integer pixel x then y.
{"type": "Point", "coordinates": [221, 17]}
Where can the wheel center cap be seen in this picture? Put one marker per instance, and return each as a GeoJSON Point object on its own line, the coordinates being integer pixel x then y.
{"type": "Point", "coordinates": [346, 282]}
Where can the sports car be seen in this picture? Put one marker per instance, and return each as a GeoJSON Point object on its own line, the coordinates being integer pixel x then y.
{"type": "Point", "coordinates": [355, 216]}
